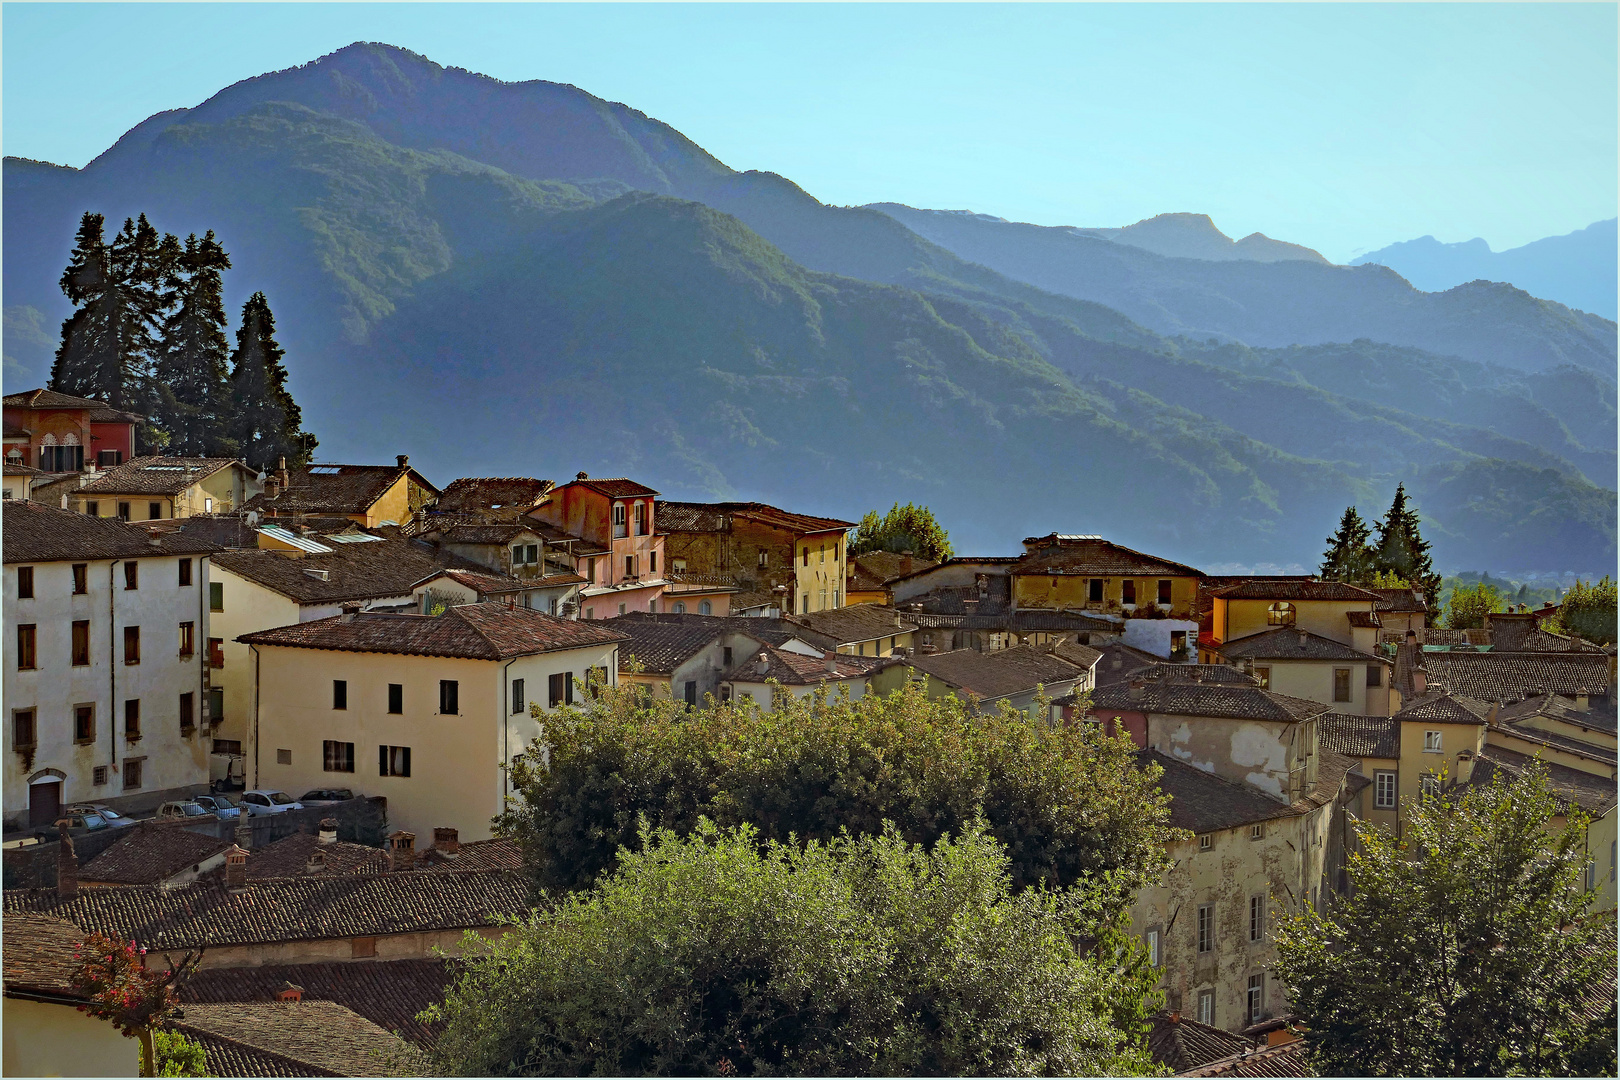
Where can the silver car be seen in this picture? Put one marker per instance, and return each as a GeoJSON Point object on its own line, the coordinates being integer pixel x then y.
{"type": "Point", "coordinates": [262, 802]}
{"type": "Point", "coordinates": [221, 806]}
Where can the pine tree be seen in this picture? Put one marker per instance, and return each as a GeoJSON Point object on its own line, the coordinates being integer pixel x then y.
{"type": "Point", "coordinates": [193, 376]}
{"type": "Point", "coordinates": [88, 353]}
{"type": "Point", "coordinates": [1402, 550]}
{"type": "Point", "coordinates": [265, 419]}
{"type": "Point", "coordinates": [1348, 557]}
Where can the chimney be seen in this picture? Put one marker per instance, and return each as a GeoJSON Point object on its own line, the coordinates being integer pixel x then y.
{"type": "Point", "coordinates": [447, 842]}
{"type": "Point", "coordinates": [581, 475]}
{"type": "Point", "coordinates": [762, 665]}
{"type": "Point", "coordinates": [831, 657]}
{"type": "Point", "coordinates": [1304, 638]}
{"type": "Point", "coordinates": [329, 830]}
{"type": "Point", "coordinates": [290, 992]}
{"type": "Point", "coordinates": [403, 459]}
{"type": "Point", "coordinates": [1175, 1016]}
{"type": "Point", "coordinates": [1411, 636]}
{"type": "Point", "coordinates": [1116, 663]}
{"type": "Point", "coordinates": [316, 863]}
{"type": "Point", "coordinates": [401, 851]}
{"type": "Point", "coordinates": [67, 864]}
{"type": "Point", "coordinates": [282, 477]}
{"type": "Point", "coordinates": [272, 487]}
{"type": "Point", "coordinates": [1137, 690]}
{"type": "Point", "coordinates": [1583, 703]}
{"type": "Point", "coordinates": [236, 868]}
{"type": "Point", "coordinates": [351, 608]}
{"type": "Point", "coordinates": [244, 834]}
{"type": "Point", "coordinates": [905, 562]}
{"type": "Point", "coordinates": [1465, 766]}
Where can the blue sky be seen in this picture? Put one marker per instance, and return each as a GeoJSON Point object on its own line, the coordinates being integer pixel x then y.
{"type": "Point", "coordinates": [1344, 127]}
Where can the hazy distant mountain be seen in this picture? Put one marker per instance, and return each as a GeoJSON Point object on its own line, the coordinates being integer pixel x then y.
{"type": "Point", "coordinates": [1194, 236]}
{"type": "Point", "coordinates": [445, 289]}
{"type": "Point", "coordinates": [1577, 269]}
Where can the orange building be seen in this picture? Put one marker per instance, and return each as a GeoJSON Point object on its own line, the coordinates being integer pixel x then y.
{"type": "Point", "coordinates": [622, 560]}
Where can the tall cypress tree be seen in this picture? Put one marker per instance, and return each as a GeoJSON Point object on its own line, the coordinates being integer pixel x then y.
{"type": "Point", "coordinates": [265, 423]}
{"type": "Point", "coordinates": [1402, 550]}
{"type": "Point", "coordinates": [1349, 557]}
{"type": "Point", "coordinates": [193, 373]}
{"type": "Point", "coordinates": [87, 361]}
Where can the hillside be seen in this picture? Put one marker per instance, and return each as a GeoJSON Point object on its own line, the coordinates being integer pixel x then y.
{"type": "Point", "coordinates": [483, 321]}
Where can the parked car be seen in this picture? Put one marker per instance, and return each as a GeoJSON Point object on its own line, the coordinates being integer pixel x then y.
{"type": "Point", "coordinates": [222, 806]}
{"type": "Point", "coordinates": [109, 816]}
{"type": "Point", "coordinates": [188, 810]}
{"type": "Point", "coordinates": [261, 802]}
{"type": "Point", "coordinates": [321, 796]}
{"type": "Point", "coordinates": [226, 772]}
{"type": "Point", "coordinates": [81, 821]}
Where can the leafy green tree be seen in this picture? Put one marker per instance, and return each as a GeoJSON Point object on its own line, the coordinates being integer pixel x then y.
{"type": "Point", "coordinates": [1462, 949]}
{"type": "Point", "coordinates": [1590, 610]}
{"type": "Point", "coordinates": [1401, 549]}
{"type": "Point", "coordinates": [904, 528]}
{"type": "Point", "coordinates": [178, 1055]}
{"type": "Point", "coordinates": [1067, 800]}
{"type": "Point", "coordinates": [1348, 557]}
{"type": "Point", "coordinates": [1470, 604]}
{"type": "Point", "coordinates": [265, 419]}
{"type": "Point", "coordinates": [717, 954]}
{"type": "Point", "coordinates": [193, 374]}
{"type": "Point", "coordinates": [109, 343]}
{"type": "Point", "coordinates": [1387, 579]}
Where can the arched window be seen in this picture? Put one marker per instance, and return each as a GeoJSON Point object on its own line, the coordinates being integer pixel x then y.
{"type": "Point", "coordinates": [679, 607]}
{"type": "Point", "coordinates": [705, 608]}
{"type": "Point", "coordinates": [1280, 614]}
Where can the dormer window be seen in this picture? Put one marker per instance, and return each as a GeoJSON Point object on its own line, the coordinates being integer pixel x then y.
{"type": "Point", "coordinates": [1280, 614]}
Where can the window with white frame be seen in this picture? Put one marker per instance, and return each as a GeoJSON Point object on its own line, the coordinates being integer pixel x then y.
{"type": "Point", "coordinates": [1206, 927]}
{"type": "Point", "coordinates": [1432, 743]}
{"type": "Point", "coordinates": [1257, 918]}
{"type": "Point", "coordinates": [1151, 940]}
{"type": "Point", "coordinates": [1257, 997]}
{"type": "Point", "coordinates": [1384, 789]}
{"type": "Point", "coordinates": [1206, 1007]}
{"type": "Point", "coordinates": [1429, 785]}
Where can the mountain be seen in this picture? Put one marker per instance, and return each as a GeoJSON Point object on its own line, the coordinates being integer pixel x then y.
{"type": "Point", "coordinates": [752, 342]}
{"type": "Point", "coordinates": [1270, 304]}
{"type": "Point", "coordinates": [1194, 236]}
{"type": "Point", "coordinates": [1578, 268]}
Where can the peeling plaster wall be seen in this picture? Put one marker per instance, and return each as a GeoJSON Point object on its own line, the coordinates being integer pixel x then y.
{"type": "Point", "coordinates": [1252, 752]}
{"type": "Point", "coordinates": [1153, 636]}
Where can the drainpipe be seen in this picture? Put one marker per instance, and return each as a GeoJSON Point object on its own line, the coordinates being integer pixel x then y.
{"type": "Point", "coordinates": [200, 651]}
{"type": "Point", "coordinates": [254, 649]}
{"type": "Point", "coordinates": [506, 724]}
{"type": "Point", "coordinates": [112, 668]}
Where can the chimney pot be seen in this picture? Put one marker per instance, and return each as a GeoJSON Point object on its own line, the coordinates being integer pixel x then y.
{"type": "Point", "coordinates": [403, 459]}
{"type": "Point", "coordinates": [236, 868]}
{"type": "Point", "coordinates": [290, 992]}
{"type": "Point", "coordinates": [316, 863]}
{"type": "Point", "coordinates": [329, 831]}
{"type": "Point", "coordinates": [401, 850]}
{"type": "Point", "coordinates": [581, 475]}
{"type": "Point", "coordinates": [67, 864]}
{"type": "Point", "coordinates": [351, 608]}
{"type": "Point", "coordinates": [831, 657]}
{"type": "Point", "coordinates": [447, 841]}
{"type": "Point", "coordinates": [1137, 690]}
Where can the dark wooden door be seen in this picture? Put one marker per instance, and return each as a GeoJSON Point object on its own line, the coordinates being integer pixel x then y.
{"type": "Point", "coordinates": [44, 803]}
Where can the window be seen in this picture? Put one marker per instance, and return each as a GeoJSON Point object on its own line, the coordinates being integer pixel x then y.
{"type": "Point", "coordinates": [81, 578]}
{"type": "Point", "coordinates": [81, 642]}
{"type": "Point", "coordinates": [1178, 644]}
{"type": "Point", "coordinates": [807, 554]}
{"type": "Point", "coordinates": [679, 607]}
{"type": "Point", "coordinates": [1206, 927]}
{"type": "Point", "coordinates": [1341, 684]}
{"type": "Point", "coordinates": [1384, 790]}
{"type": "Point", "coordinates": [562, 688]}
{"type": "Point", "coordinates": [188, 713]}
{"type": "Point", "coordinates": [618, 520]}
{"type": "Point", "coordinates": [109, 459]}
{"type": "Point", "coordinates": [337, 756]}
{"type": "Point", "coordinates": [132, 718]}
{"type": "Point", "coordinates": [396, 698]}
{"type": "Point", "coordinates": [132, 773]}
{"type": "Point", "coordinates": [24, 732]}
{"type": "Point", "coordinates": [590, 613]}
{"type": "Point", "coordinates": [27, 639]}
{"type": "Point", "coordinates": [1128, 591]}
{"type": "Point", "coordinates": [806, 600]}
{"type": "Point", "coordinates": [705, 608]}
{"type": "Point", "coordinates": [1206, 1007]}
{"type": "Point", "coordinates": [449, 697]}
{"type": "Point", "coordinates": [1257, 918]}
{"type": "Point", "coordinates": [132, 575]}
{"type": "Point", "coordinates": [629, 566]}
{"type": "Point", "coordinates": [1257, 997]}
{"type": "Point", "coordinates": [1094, 590]}
{"type": "Point", "coordinates": [725, 657]}
{"type": "Point", "coordinates": [1164, 593]}
{"type": "Point", "coordinates": [393, 761]}
{"type": "Point", "coordinates": [652, 562]}
{"type": "Point", "coordinates": [227, 746]}
{"type": "Point", "coordinates": [1206, 842]}
{"type": "Point", "coordinates": [1263, 675]}
{"type": "Point", "coordinates": [1375, 675]}
{"type": "Point", "coordinates": [84, 724]}
{"type": "Point", "coordinates": [590, 571]}
{"type": "Point", "coordinates": [188, 639]}
{"type": "Point", "coordinates": [1591, 875]}
{"type": "Point", "coordinates": [1431, 743]}
{"type": "Point", "coordinates": [216, 596]}
{"type": "Point", "coordinates": [216, 652]}
{"type": "Point", "coordinates": [340, 693]}
{"type": "Point", "coordinates": [154, 511]}
{"type": "Point", "coordinates": [531, 554]}
{"type": "Point", "coordinates": [216, 705]}
{"type": "Point", "coordinates": [1151, 940]}
{"type": "Point", "coordinates": [641, 519]}
{"type": "Point", "coordinates": [98, 775]}
{"type": "Point", "coordinates": [283, 757]}
{"type": "Point", "coordinates": [621, 609]}
{"type": "Point", "coordinates": [689, 693]}
{"type": "Point", "coordinates": [185, 572]}
{"type": "Point", "coordinates": [69, 458]}
{"type": "Point", "coordinates": [762, 560]}
{"type": "Point", "coordinates": [517, 696]}
{"type": "Point", "coordinates": [1257, 832]}
{"type": "Point", "coordinates": [25, 582]}
{"type": "Point", "coordinates": [93, 508]}
{"type": "Point", "coordinates": [1280, 614]}
{"type": "Point", "coordinates": [208, 506]}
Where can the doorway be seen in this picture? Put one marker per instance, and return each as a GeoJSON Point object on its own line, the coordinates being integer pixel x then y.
{"type": "Point", "coordinates": [44, 802]}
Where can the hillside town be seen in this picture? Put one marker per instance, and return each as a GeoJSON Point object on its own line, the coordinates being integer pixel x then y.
{"type": "Point", "coordinates": [307, 790]}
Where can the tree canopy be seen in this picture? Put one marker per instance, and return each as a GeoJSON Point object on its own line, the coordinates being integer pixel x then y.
{"type": "Point", "coordinates": [119, 989]}
{"type": "Point", "coordinates": [1470, 604]}
{"type": "Point", "coordinates": [1462, 949]}
{"type": "Point", "coordinates": [1067, 800]}
{"type": "Point", "coordinates": [1589, 610]}
{"type": "Point", "coordinates": [1401, 549]}
{"type": "Point", "coordinates": [265, 419]}
{"type": "Point", "coordinates": [904, 528]}
{"type": "Point", "coordinates": [726, 953]}
{"type": "Point", "coordinates": [1348, 556]}
{"type": "Point", "coordinates": [193, 376]}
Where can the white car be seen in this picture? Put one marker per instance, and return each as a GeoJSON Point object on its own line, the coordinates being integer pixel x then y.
{"type": "Point", "coordinates": [259, 803]}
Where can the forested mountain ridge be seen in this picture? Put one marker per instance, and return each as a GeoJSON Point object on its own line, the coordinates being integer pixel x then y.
{"type": "Point", "coordinates": [441, 305]}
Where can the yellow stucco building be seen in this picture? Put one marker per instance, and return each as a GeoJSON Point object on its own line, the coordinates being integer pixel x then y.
{"type": "Point", "coordinates": [150, 488]}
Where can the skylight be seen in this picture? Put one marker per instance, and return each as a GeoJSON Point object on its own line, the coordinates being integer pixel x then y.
{"type": "Point", "coordinates": [324, 470]}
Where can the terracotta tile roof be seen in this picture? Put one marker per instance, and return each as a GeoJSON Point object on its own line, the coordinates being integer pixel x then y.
{"type": "Point", "coordinates": [150, 853]}
{"type": "Point", "coordinates": [1360, 736]}
{"type": "Point", "coordinates": [157, 475]}
{"type": "Point", "coordinates": [332, 1040]}
{"type": "Point", "coordinates": [289, 857]}
{"type": "Point", "coordinates": [386, 568]}
{"type": "Point", "coordinates": [1095, 557]}
{"type": "Point", "coordinates": [617, 487]}
{"type": "Point", "coordinates": [1289, 643]}
{"type": "Point", "coordinates": [1284, 1059]}
{"type": "Point", "coordinates": [1179, 1043]}
{"type": "Point", "coordinates": [488, 631]}
{"type": "Point", "coordinates": [1294, 589]}
{"type": "Point", "coordinates": [335, 489]}
{"type": "Point", "coordinates": [105, 415]}
{"type": "Point", "coordinates": [1437, 707]}
{"type": "Point", "coordinates": [482, 582]}
{"type": "Point", "coordinates": [1494, 676]}
{"type": "Point", "coordinates": [1202, 802]}
{"type": "Point", "coordinates": [32, 532]}
{"type": "Point", "coordinates": [1560, 708]}
{"type": "Point", "coordinates": [660, 647]}
{"type": "Point", "coordinates": [1180, 696]}
{"type": "Point", "coordinates": [389, 993]}
{"type": "Point", "coordinates": [996, 599]}
{"type": "Point", "coordinates": [1120, 661]}
{"type": "Point", "coordinates": [877, 568]}
{"type": "Point", "coordinates": [849, 625]}
{"type": "Point", "coordinates": [772, 631]}
{"type": "Point", "coordinates": [201, 914]}
{"type": "Point", "coordinates": [1523, 633]}
{"type": "Point", "coordinates": [1592, 793]}
{"type": "Point", "coordinates": [1566, 743]}
{"type": "Point", "coordinates": [230, 532]}
{"type": "Point", "coordinates": [50, 399]}
{"type": "Point", "coordinates": [796, 669]}
{"type": "Point", "coordinates": [496, 854]}
{"type": "Point", "coordinates": [1001, 674]}
{"type": "Point", "coordinates": [1400, 600]}
{"type": "Point", "coordinates": [14, 469]}
{"type": "Point", "coordinates": [515, 494]}
{"type": "Point", "coordinates": [716, 517]}
{"type": "Point", "coordinates": [470, 533]}
{"type": "Point", "coordinates": [228, 1058]}
{"type": "Point", "coordinates": [1365, 619]}
{"type": "Point", "coordinates": [38, 953]}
